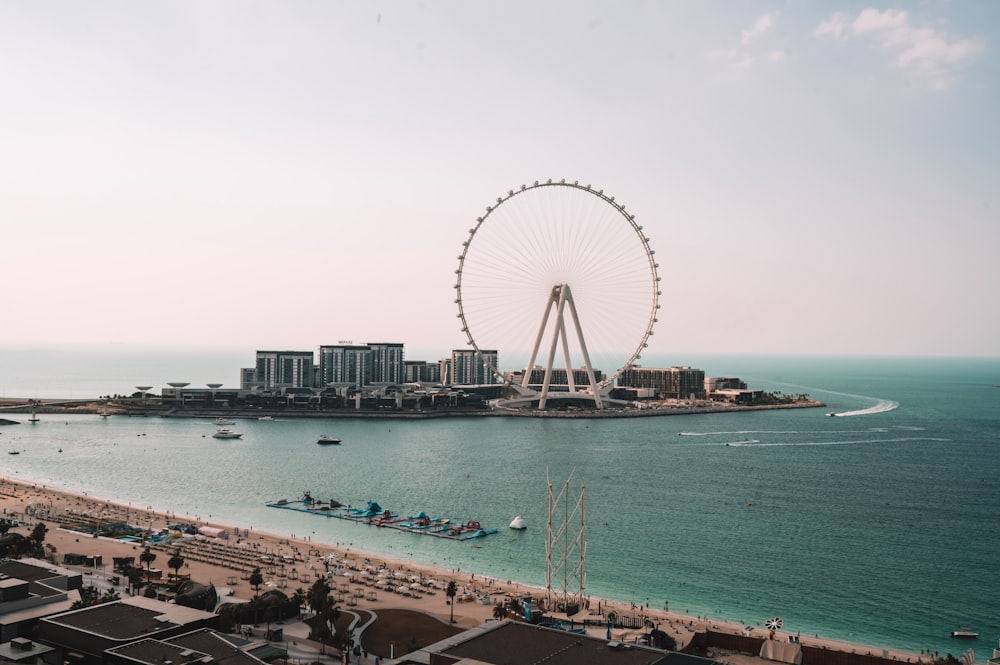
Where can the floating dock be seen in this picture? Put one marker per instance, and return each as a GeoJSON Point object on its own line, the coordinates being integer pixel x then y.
{"type": "Point", "coordinates": [374, 515]}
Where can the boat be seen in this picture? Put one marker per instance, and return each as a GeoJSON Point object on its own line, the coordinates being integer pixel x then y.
{"type": "Point", "coordinates": [224, 421]}
{"type": "Point", "coordinates": [964, 634]}
{"type": "Point", "coordinates": [13, 452]}
{"type": "Point", "coordinates": [224, 433]}
{"type": "Point", "coordinates": [265, 418]}
{"type": "Point", "coordinates": [325, 440]}
{"type": "Point", "coordinates": [518, 524]}
{"type": "Point", "coordinates": [831, 414]}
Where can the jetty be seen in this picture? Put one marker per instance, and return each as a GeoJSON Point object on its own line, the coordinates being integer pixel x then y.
{"type": "Point", "coordinates": [374, 515]}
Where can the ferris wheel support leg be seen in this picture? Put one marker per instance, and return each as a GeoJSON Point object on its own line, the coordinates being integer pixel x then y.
{"type": "Point", "coordinates": [538, 338]}
{"type": "Point", "coordinates": [569, 363]}
{"type": "Point", "coordinates": [560, 326]}
{"type": "Point", "coordinates": [583, 349]}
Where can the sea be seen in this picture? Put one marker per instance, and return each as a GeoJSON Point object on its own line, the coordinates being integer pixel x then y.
{"type": "Point", "coordinates": [880, 526]}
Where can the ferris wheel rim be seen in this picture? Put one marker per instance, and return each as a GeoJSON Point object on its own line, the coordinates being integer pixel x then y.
{"type": "Point", "coordinates": [636, 229]}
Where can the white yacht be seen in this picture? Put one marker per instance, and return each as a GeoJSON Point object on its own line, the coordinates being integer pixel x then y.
{"type": "Point", "coordinates": [224, 433]}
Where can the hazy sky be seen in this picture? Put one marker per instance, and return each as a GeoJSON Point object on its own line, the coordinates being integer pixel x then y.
{"type": "Point", "coordinates": [815, 177]}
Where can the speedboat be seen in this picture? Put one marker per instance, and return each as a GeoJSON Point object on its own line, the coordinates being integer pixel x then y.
{"type": "Point", "coordinates": [518, 524]}
{"type": "Point", "coordinates": [325, 440]}
{"type": "Point", "coordinates": [964, 634]}
{"type": "Point", "coordinates": [265, 418]}
{"type": "Point", "coordinates": [224, 421]}
{"type": "Point", "coordinates": [224, 433]}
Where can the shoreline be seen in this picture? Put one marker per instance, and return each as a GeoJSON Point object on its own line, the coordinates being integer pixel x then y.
{"type": "Point", "coordinates": [101, 407]}
{"type": "Point", "coordinates": [17, 495]}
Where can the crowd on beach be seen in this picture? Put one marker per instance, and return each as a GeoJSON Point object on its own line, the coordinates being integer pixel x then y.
{"type": "Point", "coordinates": [359, 579]}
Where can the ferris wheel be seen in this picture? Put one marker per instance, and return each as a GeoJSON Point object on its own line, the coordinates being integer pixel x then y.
{"type": "Point", "coordinates": [556, 280]}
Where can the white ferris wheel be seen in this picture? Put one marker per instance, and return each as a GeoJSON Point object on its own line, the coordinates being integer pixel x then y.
{"type": "Point", "coordinates": [560, 282]}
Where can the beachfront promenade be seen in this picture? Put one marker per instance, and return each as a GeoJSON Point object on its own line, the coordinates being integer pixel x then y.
{"type": "Point", "coordinates": [364, 583]}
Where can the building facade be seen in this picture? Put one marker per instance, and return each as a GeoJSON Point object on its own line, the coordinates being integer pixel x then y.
{"type": "Point", "coordinates": [387, 362]}
{"type": "Point", "coordinates": [472, 368]}
{"type": "Point", "coordinates": [668, 382]}
{"type": "Point", "coordinates": [345, 363]}
{"type": "Point", "coordinates": [558, 377]}
{"type": "Point", "coordinates": [284, 369]}
{"type": "Point", "coordinates": [421, 371]}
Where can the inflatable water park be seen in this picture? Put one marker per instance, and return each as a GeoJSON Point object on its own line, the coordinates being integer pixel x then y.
{"type": "Point", "coordinates": [375, 515]}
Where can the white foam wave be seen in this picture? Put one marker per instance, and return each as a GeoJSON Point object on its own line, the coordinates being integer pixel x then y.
{"type": "Point", "coordinates": [740, 432]}
{"type": "Point", "coordinates": [882, 406]}
{"type": "Point", "coordinates": [840, 443]}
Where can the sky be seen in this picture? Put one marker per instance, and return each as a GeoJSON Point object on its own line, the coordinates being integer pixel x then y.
{"type": "Point", "coordinates": [815, 178]}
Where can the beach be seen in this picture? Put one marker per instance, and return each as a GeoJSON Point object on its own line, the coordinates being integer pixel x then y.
{"type": "Point", "coordinates": [359, 578]}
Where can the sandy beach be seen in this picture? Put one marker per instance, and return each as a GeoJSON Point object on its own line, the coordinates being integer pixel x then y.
{"type": "Point", "coordinates": [362, 580]}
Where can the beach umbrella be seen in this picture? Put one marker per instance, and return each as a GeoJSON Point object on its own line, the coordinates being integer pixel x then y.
{"type": "Point", "coordinates": [773, 624]}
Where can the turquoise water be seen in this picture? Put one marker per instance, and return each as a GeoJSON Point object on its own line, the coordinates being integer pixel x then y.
{"type": "Point", "coordinates": [880, 528]}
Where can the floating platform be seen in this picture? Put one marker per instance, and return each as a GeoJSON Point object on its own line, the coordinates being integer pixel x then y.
{"type": "Point", "coordinates": [374, 515]}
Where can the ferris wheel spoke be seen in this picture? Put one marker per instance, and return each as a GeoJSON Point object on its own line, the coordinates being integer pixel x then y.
{"type": "Point", "coordinates": [545, 243]}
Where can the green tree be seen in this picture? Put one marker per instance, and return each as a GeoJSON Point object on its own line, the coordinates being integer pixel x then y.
{"type": "Point", "coordinates": [38, 533]}
{"type": "Point", "coordinates": [451, 592]}
{"type": "Point", "coordinates": [36, 538]}
{"type": "Point", "coordinates": [175, 562]}
{"type": "Point", "coordinates": [5, 526]}
{"type": "Point", "coordinates": [499, 611]}
{"type": "Point", "coordinates": [319, 596]}
{"type": "Point", "coordinates": [256, 579]}
{"type": "Point", "coordinates": [134, 576]}
{"type": "Point", "coordinates": [147, 558]}
{"type": "Point", "coordinates": [299, 598]}
{"type": "Point", "coordinates": [330, 615]}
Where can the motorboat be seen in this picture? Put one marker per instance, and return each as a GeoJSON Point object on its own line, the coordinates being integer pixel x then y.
{"type": "Point", "coordinates": [13, 452]}
{"type": "Point", "coordinates": [224, 433]}
{"type": "Point", "coordinates": [518, 524]}
{"type": "Point", "coordinates": [964, 634]}
{"type": "Point", "coordinates": [325, 440]}
{"type": "Point", "coordinates": [224, 421]}
{"type": "Point", "coordinates": [266, 418]}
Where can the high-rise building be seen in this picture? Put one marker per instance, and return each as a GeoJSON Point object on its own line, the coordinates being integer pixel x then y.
{"type": "Point", "coordinates": [284, 369]}
{"type": "Point", "coordinates": [444, 369]}
{"type": "Point", "coordinates": [471, 368]}
{"type": "Point", "coordinates": [558, 377]}
{"type": "Point", "coordinates": [345, 363]}
{"type": "Point", "coordinates": [421, 371]}
{"type": "Point", "coordinates": [670, 382]}
{"type": "Point", "coordinates": [387, 362]}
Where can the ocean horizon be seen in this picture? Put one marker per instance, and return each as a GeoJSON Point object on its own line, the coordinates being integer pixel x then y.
{"type": "Point", "coordinates": [878, 527]}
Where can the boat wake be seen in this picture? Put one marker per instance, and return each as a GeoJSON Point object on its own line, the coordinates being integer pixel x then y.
{"type": "Point", "coordinates": [739, 432]}
{"type": "Point", "coordinates": [882, 406]}
{"type": "Point", "coordinates": [840, 443]}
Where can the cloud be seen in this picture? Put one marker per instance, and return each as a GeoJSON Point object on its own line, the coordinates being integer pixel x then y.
{"type": "Point", "coordinates": [761, 25]}
{"type": "Point", "coordinates": [837, 26]}
{"type": "Point", "coordinates": [924, 52]}
{"type": "Point", "coordinates": [870, 20]}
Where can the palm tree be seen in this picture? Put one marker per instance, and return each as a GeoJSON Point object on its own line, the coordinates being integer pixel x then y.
{"type": "Point", "coordinates": [176, 561]}
{"type": "Point", "coordinates": [451, 592]}
{"type": "Point", "coordinates": [499, 611]}
{"type": "Point", "coordinates": [256, 579]}
{"type": "Point", "coordinates": [147, 557]}
{"type": "Point", "coordinates": [330, 615]}
{"type": "Point", "coordinates": [299, 598]}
